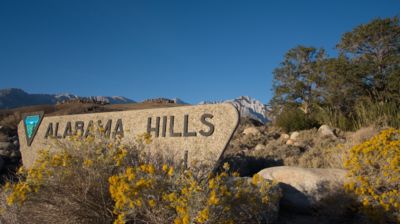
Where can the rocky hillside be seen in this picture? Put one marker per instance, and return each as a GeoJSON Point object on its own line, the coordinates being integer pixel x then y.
{"type": "Point", "coordinates": [13, 98]}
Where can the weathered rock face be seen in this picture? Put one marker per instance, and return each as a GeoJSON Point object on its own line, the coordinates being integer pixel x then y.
{"type": "Point", "coordinates": [289, 142]}
{"type": "Point", "coordinates": [326, 131]}
{"type": "Point", "coordinates": [303, 188]}
{"type": "Point", "coordinates": [284, 136]}
{"type": "Point", "coordinates": [294, 136]}
{"type": "Point", "coordinates": [251, 131]}
{"type": "Point", "coordinates": [259, 147]}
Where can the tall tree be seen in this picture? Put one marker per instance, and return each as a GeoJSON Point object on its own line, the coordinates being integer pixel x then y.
{"type": "Point", "coordinates": [341, 84]}
{"type": "Point", "coordinates": [297, 78]}
{"type": "Point", "coordinates": [374, 48]}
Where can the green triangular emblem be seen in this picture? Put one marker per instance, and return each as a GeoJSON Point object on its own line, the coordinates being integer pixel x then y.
{"type": "Point", "coordinates": [31, 124]}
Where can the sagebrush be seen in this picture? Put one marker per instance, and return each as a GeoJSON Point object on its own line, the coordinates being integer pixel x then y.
{"type": "Point", "coordinates": [97, 180]}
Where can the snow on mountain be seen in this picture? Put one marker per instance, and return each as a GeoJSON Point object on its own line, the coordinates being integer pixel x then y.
{"type": "Point", "coordinates": [179, 101]}
{"type": "Point", "coordinates": [247, 107]}
{"type": "Point", "coordinates": [110, 99]}
{"type": "Point", "coordinates": [65, 96]}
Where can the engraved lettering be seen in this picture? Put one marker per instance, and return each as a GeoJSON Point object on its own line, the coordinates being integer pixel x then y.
{"type": "Point", "coordinates": [210, 126]}
{"type": "Point", "coordinates": [79, 125]}
{"type": "Point", "coordinates": [68, 130]}
{"type": "Point", "coordinates": [56, 131]}
{"type": "Point", "coordinates": [186, 132]}
{"type": "Point", "coordinates": [49, 131]}
{"type": "Point", "coordinates": [119, 129]}
{"type": "Point", "coordinates": [171, 128]}
{"type": "Point", "coordinates": [156, 129]}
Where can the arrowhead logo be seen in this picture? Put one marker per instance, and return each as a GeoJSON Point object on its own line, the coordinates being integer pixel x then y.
{"type": "Point", "coordinates": [31, 124]}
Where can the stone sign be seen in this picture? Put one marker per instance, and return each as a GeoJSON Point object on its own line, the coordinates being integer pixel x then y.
{"type": "Point", "coordinates": [197, 133]}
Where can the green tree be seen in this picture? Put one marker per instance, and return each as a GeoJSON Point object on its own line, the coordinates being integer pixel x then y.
{"type": "Point", "coordinates": [359, 87]}
{"type": "Point", "coordinates": [374, 49]}
{"type": "Point", "coordinates": [297, 79]}
{"type": "Point", "coordinates": [341, 84]}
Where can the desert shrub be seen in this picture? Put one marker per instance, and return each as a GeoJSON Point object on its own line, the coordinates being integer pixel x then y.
{"type": "Point", "coordinates": [70, 185]}
{"type": "Point", "coordinates": [162, 195]}
{"type": "Point", "coordinates": [294, 119]}
{"type": "Point", "coordinates": [374, 169]}
{"type": "Point", "coordinates": [96, 180]}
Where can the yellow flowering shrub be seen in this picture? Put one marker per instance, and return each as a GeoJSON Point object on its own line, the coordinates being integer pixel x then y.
{"type": "Point", "coordinates": [163, 195]}
{"type": "Point", "coordinates": [374, 171]}
{"type": "Point", "coordinates": [71, 184]}
{"type": "Point", "coordinates": [98, 180]}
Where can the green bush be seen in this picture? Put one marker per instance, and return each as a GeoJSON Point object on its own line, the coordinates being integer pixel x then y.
{"type": "Point", "coordinates": [294, 119]}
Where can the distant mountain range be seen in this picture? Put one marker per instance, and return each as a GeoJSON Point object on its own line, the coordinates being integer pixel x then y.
{"type": "Point", "coordinates": [12, 98]}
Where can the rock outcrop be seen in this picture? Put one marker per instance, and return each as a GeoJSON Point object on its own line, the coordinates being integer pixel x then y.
{"type": "Point", "coordinates": [326, 131]}
{"type": "Point", "coordinates": [304, 188]}
{"type": "Point", "coordinates": [251, 131]}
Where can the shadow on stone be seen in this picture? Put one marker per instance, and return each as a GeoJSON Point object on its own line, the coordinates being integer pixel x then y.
{"type": "Point", "coordinates": [294, 200]}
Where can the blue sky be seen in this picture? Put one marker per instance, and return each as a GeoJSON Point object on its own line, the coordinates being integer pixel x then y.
{"type": "Point", "coordinates": [192, 49]}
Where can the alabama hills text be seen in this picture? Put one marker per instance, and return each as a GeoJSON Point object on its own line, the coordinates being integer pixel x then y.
{"type": "Point", "coordinates": [160, 126]}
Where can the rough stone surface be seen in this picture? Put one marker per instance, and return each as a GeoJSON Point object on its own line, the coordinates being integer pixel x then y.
{"type": "Point", "coordinates": [259, 147]}
{"type": "Point", "coordinates": [285, 136]}
{"type": "Point", "coordinates": [326, 131]}
{"type": "Point", "coordinates": [300, 144]}
{"type": "Point", "coordinates": [294, 135]}
{"type": "Point", "coordinates": [289, 142]}
{"type": "Point", "coordinates": [200, 149]}
{"type": "Point", "coordinates": [303, 188]}
{"type": "Point", "coordinates": [251, 131]}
